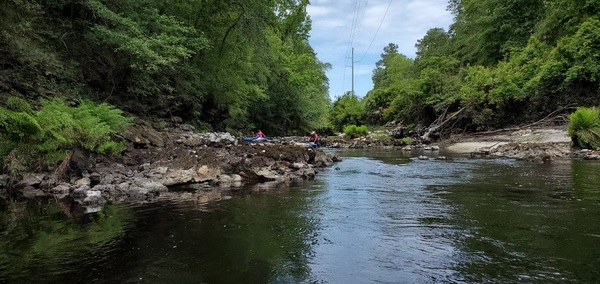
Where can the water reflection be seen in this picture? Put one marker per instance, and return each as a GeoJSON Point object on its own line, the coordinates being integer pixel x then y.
{"type": "Point", "coordinates": [382, 217]}
{"type": "Point", "coordinates": [525, 222]}
{"type": "Point", "coordinates": [255, 239]}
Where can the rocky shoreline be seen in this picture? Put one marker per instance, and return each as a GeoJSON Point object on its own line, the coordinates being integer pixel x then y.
{"type": "Point", "coordinates": [541, 144]}
{"type": "Point", "coordinates": [173, 162]}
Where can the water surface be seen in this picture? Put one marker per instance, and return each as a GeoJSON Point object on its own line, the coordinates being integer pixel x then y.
{"type": "Point", "coordinates": [375, 217]}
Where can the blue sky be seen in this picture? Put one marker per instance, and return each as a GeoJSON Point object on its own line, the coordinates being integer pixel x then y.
{"type": "Point", "coordinates": [368, 26]}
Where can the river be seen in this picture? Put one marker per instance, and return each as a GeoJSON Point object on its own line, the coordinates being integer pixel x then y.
{"type": "Point", "coordinates": [375, 217]}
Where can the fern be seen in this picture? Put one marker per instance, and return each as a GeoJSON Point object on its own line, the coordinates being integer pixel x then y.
{"type": "Point", "coordinates": [55, 129]}
{"type": "Point", "coordinates": [585, 127]}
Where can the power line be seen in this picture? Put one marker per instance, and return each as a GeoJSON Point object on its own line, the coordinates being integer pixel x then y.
{"type": "Point", "coordinates": [351, 38]}
{"type": "Point", "coordinates": [353, 26]}
{"type": "Point", "coordinates": [375, 35]}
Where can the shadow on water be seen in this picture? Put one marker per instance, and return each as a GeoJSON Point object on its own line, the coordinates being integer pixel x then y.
{"type": "Point", "coordinates": [375, 217]}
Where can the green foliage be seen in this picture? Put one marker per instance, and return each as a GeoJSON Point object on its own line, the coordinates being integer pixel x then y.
{"type": "Point", "coordinates": [585, 127]}
{"type": "Point", "coordinates": [353, 131]}
{"type": "Point", "coordinates": [486, 31]}
{"type": "Point", "coordinates": [346, 110]}
{"type": "Point", "coordinates": [501, 63]}
{"type": "Point", "coordinates": [57, 128]}
{"type": "Point", "coordinates": [229, 65]}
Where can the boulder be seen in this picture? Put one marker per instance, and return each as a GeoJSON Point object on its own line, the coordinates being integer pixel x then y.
{"type": "Point", "coordinates": [82, 181]}
{"type": "Point", "coordinates": [94, 197]}
{"type": "Point", "coordinates": [31, 192]}
{"type": "Point", "coordinates": [80, 192]}
{"type": "Point", "coordinates": [151, 186]}
{"type": "Point", "coordinates": [30, 179]}
{"type": "Point", "coordinates": [61, 189]}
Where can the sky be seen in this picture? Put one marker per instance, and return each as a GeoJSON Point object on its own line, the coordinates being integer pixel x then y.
{"type": "Point", "coordinates": [368, 26]}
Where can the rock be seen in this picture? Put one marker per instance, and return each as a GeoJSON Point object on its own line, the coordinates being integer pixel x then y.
{"type": "Point", "coordinates": [81, 161]}
{"type": "Point", "coordinates": [224, 180]}
{"type": "Point", "coordinates": [153, 137]}
{"type": "Point", "coordinates": [3, 181]}
{"type": "Point", "coordinates": [30, 179]}
{"type": "Point", "coordinates": [80, 192]}
{"type": "Point", "coordinates": [94, 178]}
{"type": "Point", "coordinates": [94, 197]}
{"type": "Point", "coordinates": [61, 189]}
{"type": "Point", "coordinates": [423, 157]}
{"type": "Point", "coordinates": [105, 189]}
{"type": "Point", "coordinates": [137, 193]}
{"type": "Point", "coordinates": [193, 175]}
{"type": "Point", "coordinates": [204, 173]}
{"type": "Point", "coordinates": [143, 136]}
{"type": "Point", "coordinates": [267, 175]}
{"type": "Point", "coordinates": [151, 186]}
{"type": "Point", "coordinates": [186, 127]}
{"type": "Point", "coordinates": [32, 192]}
{"type": "Point", "coordinates": [297, 166]}
{"type": "Point", "coordinates": [82, 181]}
{"type": "Point", "coordinates": [236, 178]}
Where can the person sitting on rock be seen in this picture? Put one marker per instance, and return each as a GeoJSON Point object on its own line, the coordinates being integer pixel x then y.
{"type": "Point", "coordinates": [314, 138]}
{"type": "Point", "coordinates": [260, 136]}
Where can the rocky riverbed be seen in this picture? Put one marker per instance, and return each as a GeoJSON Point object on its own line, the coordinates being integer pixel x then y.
{"type": "Point", "coordinates": [175, 162]}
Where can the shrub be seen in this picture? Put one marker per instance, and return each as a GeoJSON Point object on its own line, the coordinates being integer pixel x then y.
{"type": "Point", "coordinates": [353, 131]}
{"type": "Point", "coordinates": [55, 129]}
{"type": "Point", "coordinates": [585, 127]}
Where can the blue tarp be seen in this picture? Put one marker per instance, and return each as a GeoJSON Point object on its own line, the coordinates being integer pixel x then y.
{"type": "Point", "coordinates": [254, 139]}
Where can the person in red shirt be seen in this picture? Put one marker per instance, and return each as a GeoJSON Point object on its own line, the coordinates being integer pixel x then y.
{"type": "Point", "coordinates": [314, 138]}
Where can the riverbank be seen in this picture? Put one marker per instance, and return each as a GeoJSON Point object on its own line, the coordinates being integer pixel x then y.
{"type": "Point", "coordinates": [544, 144]}
{"type": "Point", "coordinates": [538, 144]}
{"type": "Point", "coordinates": [534, 144]}
{"type": "Point", "coordinates": [173, 161]}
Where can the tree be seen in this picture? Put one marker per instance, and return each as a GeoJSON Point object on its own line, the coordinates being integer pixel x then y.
{"type": "Point", "coordinates": [486, 31]}
{"type": "Point", "coordinates": [346, 110]}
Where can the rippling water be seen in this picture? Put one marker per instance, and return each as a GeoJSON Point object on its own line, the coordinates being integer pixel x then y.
{"type": "Point", "coordinates": [375, 217]}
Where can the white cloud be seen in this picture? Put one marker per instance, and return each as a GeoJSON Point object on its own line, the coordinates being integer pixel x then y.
{"type": "Point", "coordinates": [333, 36]}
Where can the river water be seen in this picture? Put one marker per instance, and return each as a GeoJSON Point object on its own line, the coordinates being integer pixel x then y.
{"type": "Point", "coordinates": [375, 217]}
